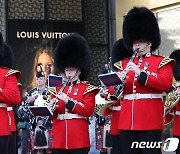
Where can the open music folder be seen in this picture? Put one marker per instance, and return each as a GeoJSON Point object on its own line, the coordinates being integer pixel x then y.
{"type": "Point", "coordinates": [41, 110]}
{"type": "Point", "coordinates": [54, 80]}
{"type": "Point", "coordinates": [110, 79]}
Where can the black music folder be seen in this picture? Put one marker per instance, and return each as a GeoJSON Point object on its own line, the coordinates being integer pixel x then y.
{"type": "Point", "coordinates": [54, 80]}
{"type": "Point", "coordinates": [41, 110]}
{"type": "Point", "coordinates": [110, 79]}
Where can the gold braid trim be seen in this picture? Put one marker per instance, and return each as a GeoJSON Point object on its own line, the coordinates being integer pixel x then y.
{"type": "Point", "coordinates": [119, 65]}
{"type": "Point", "coordinates": [165, 61]}
{"type": "Point", "coordinates": [11, 71]}
{"type": "Point", "coordinates": [52, 90]}
{"type": "Point", "coordinates": [89, 88]}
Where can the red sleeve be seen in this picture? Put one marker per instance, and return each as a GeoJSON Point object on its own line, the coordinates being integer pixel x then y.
{"type": "Point", "coordinates": [111, 90]}
{"type": "Point", "coordinates": [10, 93]}
{"type": "Point", "coordinates": [60, 107]}
{"type": "Point", "coordinates": [86, 108]}
{"type": "Point", "coordinates": [163, 80]}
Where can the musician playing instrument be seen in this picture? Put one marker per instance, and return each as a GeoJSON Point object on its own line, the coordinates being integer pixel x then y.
{"type": "Point", "coordinates": [42, 123]}
{"type": "Point", "coordinates": [8, 63]}
{"type": "Point", "coordinates": [76, 99]}
{"type": "Point", "coordinates": [34, 97]}
{"type": "Point", "coordinates": [119, 52]}
{"type": "Point", "coordinates": [176, 72]}
{"type": "Point", "coordinates": [9, 95]}
{"type": "Point", "coordinates": [147, 77]}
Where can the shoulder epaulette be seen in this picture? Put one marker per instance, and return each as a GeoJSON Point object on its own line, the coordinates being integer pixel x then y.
{"type": "Point", "coordinates": [165, 61]}
{"type": "Point", "coordinates": [90, 88]}
{"type": "Point", "coordinates": [118, 65]}
{"type": "Point", "coordinates": [52, 90]}
{"type": "Point", "coordinates": [11, 71]}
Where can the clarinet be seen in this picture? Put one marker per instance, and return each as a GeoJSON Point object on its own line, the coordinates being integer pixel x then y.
{"type": "Point", "coordinates": [60, 91]}
{"type": "Point", "coordinates": [119, 88]}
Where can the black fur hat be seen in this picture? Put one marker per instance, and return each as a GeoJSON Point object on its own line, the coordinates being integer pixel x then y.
{"type": "Point", "coordinates": [176, 70]}
{"type": "Point", "coordinates": [73, 51]}
{"type": "Point", "coordinates": [119, 52]}
{"type": "Point", "coordinates": [40, 73]}
{"type": "Point", "coordinates": [1, 46]}
{"type": "Point", "coordinates": [141, 24]}
{"type": "Point", "coordinates": [7, 60]}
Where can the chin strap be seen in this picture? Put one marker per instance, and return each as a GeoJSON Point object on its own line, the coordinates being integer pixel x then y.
{"type": "Point", "coordinates": [147, 45]}
{"type": "Point", "coordinates": [73, 76]}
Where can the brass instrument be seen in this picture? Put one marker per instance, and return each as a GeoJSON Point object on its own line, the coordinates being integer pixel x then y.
{"type": "Point", "coordinates": [101, 104]}
{"type": "Point", "coordinates": [100, 101]}
{"type": "Point", "coordinates": [171, 100]}
{"type": "Point", "coordinates": [119, 88]}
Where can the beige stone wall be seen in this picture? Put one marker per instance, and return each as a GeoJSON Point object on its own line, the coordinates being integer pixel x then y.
{"type": "Point", "coordinates": [123, 6]}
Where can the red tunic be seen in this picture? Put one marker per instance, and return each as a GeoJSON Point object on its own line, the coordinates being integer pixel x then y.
{"type": "Point", "coordinates": [12, 119]}
{"type": "Point", "coordinates": [146, 113]}
{"type": "Point", "coordinates": [73, 133]}
{"type": "Point", "coordinates": [115, 117]}
{"type": "Point", "coordinates": [9, 94]}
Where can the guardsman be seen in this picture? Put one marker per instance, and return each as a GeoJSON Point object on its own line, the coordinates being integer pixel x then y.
{"type": "Point", "coordinates": [75, 98]}
{"type": "Point", "coordinates": [9, 93]}
{"type": "Point", "coordinates": [35, 97]}
{"type": "Point", "coordinates": [146, 76]}
{"type": "Point", "coordinates": [119, 52]}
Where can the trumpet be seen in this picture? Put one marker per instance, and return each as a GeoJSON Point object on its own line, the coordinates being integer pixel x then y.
{"type": "Point", "coordinates": [119, 88]}
{"type": "Point", "coordinates": [53, 108]}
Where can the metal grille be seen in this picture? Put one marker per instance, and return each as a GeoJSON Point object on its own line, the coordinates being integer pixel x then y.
{"type": "Point", "coordinates": [99, 57]}
{"type": "Point", "coordinates": [95, 27]}
{"type": "Point", "coordinates": [65, 10]}
{"type": "Point", "coordinates": [169, 22]}
{"type": "Point", "coordinates": [22, 9]}
{"type": "Point", "coordinates": [95, 21]}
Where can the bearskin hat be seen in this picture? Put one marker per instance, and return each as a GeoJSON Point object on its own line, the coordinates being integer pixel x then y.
{"type": "Point", "coordinates": [73, 51]}
{"type": "Point", "coordinates": [40, 73]}
{"type": "Point", "coordinates": [8, 59]}
{"type": "Point", "coordinates": [176, 70]}
{"type": "Point", "coordinates": [119, 52]}
{"type": "Point", "coordinates": [141, 24]}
